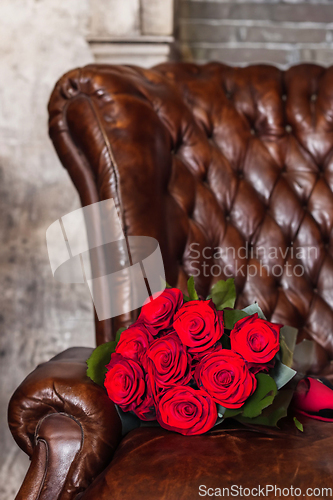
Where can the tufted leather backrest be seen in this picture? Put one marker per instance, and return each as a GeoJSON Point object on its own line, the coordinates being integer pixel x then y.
{"type": "Point", "coordinates": [230, 169]}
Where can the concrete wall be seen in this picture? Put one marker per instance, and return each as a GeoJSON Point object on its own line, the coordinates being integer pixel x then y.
{"type": "Point", "coordinates": [281, 32]}
{"type": "Point", "coordinates": [39, 41]}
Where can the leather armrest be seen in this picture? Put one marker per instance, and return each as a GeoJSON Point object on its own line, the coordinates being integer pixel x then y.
{"type": "Point", "coordinates": [66, 424]}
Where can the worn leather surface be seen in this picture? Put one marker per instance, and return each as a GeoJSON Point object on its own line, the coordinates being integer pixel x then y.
{"type": "Point", "coordinates": [155, 464]}
{"type": "Point", "coordinates": [221, 157]}
{"type": "Point", "coordinates": [66, 424]}
{"type": "Point", "coordinates": [217, 156]}
{"type": "Point", "coordinates": [58, 440]}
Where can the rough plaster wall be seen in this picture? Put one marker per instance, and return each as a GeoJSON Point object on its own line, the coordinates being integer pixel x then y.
{"type": "Point", "coordinates": [238, 32]}
{"type": "Point", "coordinates": [39, 41]}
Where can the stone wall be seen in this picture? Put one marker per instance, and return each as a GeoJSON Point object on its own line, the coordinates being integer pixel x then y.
{"type": "Point", "coordinates": [138, 31]}
{"type": "Point", "coordinates": [281, 32]}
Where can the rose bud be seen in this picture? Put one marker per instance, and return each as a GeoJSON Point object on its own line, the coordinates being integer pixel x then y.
{"type": "Point", "coordinates": [159, 312]}
{"type": "Point", "coordinates": [256, 339]}
{"type": "Point", "coordinates": [226, 378]}
{"type": "Point", "coordinates": [186, 410]}
{"type": "Point", "coordinates": [197, 325]}
{"type": "Point", "coordinates": [124, 382]}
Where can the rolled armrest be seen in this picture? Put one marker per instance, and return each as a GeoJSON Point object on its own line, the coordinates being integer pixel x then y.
{"type": "Point", "coordinates": [66, 424]}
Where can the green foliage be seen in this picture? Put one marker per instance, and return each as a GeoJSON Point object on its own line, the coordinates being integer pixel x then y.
{"type": "Point", "coordinates": [191, 289]}
{"type": "Point", "coordinates": [288, 336]}
{"type": "Point", "coordinates": [262, 397]}
{"type": "Point", "coordinates": [232, 413]}
{"type": "Point", "coordinates": [273, 413]}
{"type": "Point", "coordinates": [231, 316]}
{"type": "Point", "coordinates": [252, 309]}
{"type": "Point", "coordinates": [281, 373]}
{"type": "Point", "coordinates": [223, 294]}
{"type": "Point", "coordinates": [119, 332]}
{"type": "Point", "coordinates": [99, 358]}
{"type": "Point", "coordinates": [298, 424]}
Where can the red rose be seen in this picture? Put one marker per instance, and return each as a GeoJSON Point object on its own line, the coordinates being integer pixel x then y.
{"type": "Point", "coordinates": [197, 325]}
{"type": "Point", "coordinates": [256, 339]}
{"type": "Point", "coordinates": [168, 362]}
{"type": "Point", "coordinates": [215, 348]}
{"type": "Point", "coordinates": [146, 410]}
{"type": "Point", "coordinates": [186, 410]}
{"type": "Point", "coordinates": [226, 378]}
{"type": "Point", "coordinates": [124, 382]}
{"type": "Point", "coordinates": [159, 312]}
{"type": "Point", "coordinates": [134, 342]}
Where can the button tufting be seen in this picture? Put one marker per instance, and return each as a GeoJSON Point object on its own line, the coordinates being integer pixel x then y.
{"type": "Point", "coordinates": [229, 212]}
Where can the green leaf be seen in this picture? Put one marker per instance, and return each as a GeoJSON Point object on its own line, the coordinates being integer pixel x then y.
{"type": "Point", "coordinates": [191, 289]}
{"type": "Point", "coordinates": [231, 316]}
{"type": "Point", "coordinates": [281, 373]}
{"type": "Point", "coordinates": [273, 413]}
{"type": "Point", "coordinates": [262, 397]}
{"type": "Point", "coordinates": [298, 424]}
{"type": "Point", "coordinates": [232, 413]}
{"type": "Point", "coordinates": [99, 358]}
{"type": "Point", "coordinates": [223, 294]}
{"type": "Point", "coordinates": [252, 309]}
{"type": "Point", "coordinates": [119, 332]}
{"type": "Point", "coordinates": [288, 336]}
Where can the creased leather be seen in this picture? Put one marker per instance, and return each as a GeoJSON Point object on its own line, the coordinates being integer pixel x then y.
{"type": "Point", "coordinates": [155, 464]}
{"type": "Point", "coordinates": [217, 156]}
{"type": "Point", "coordinates": [221, 157]}
{"type": "Point", "coordinates": [66, 424]}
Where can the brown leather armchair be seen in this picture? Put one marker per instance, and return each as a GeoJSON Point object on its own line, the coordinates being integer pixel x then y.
{"type": "Point", "coordinates": [219, 157]}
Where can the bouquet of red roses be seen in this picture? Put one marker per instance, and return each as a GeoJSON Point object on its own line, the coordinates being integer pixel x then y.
{"type": "Point", "coordinates": [190, 363]}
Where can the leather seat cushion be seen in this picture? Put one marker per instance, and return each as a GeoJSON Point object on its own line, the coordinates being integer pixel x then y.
{"type": "Point", "coordinates": [153, 464]}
